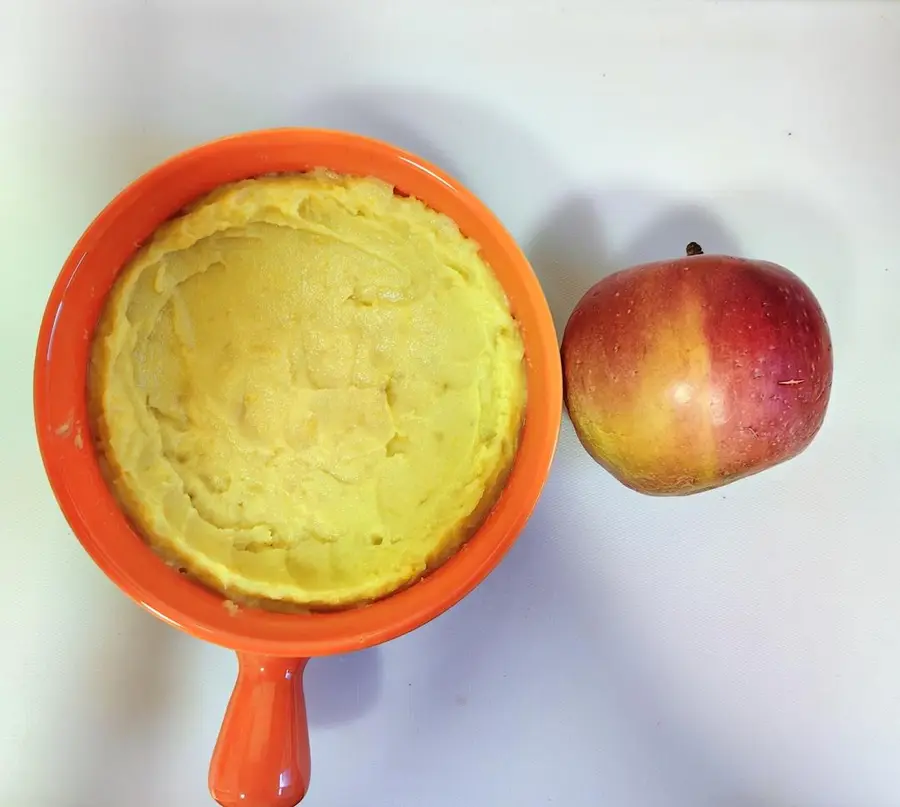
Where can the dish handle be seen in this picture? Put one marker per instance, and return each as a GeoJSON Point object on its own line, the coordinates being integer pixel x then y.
{"type": "Point", "coordinates": [261, 758]}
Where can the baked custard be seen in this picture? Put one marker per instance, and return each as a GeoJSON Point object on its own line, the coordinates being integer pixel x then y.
{"type": "Point", "coordinates": [307, 390]}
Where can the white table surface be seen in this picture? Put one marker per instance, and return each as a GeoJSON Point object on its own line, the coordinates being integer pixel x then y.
{"type": "Point", "coordinates": [735, 649]}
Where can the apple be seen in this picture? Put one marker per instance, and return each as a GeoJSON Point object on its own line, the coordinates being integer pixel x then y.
{"type": "Point", "coordinates": [688, 374]}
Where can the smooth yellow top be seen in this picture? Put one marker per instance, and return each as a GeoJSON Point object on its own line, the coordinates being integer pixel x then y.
{"type": "Point", "coordinates": [307, 389]}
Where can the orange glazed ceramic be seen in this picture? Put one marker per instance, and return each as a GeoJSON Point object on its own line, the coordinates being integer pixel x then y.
{"type": "Point", "coordinates": [262, 756]}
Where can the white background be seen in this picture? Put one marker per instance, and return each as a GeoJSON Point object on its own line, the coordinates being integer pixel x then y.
{"type": "Point", "coordinates": [740, 648]}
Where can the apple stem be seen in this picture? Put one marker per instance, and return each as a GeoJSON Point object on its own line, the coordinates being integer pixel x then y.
{"type": "Point", "coordinates": [693, 249]}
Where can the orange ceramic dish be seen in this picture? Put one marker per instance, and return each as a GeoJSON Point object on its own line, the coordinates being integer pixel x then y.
{"type": "Point", "coordinates": [272, 647]}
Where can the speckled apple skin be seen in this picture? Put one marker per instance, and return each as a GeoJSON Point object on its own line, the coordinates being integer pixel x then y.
{"type": "Point", "coordinates": [685, 375]}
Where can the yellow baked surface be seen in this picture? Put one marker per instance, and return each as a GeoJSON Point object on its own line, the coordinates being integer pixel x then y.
{"type": "Point", "coordinates": [307, 390]}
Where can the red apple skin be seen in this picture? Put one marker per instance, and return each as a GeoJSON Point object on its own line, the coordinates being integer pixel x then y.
{"type": "Point", "coordinates": [686, 375]}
